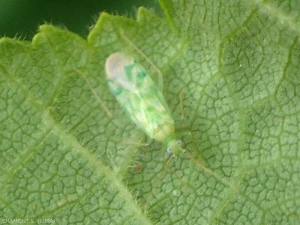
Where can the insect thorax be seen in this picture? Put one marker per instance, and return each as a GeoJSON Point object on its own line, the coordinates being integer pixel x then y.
{"type": "Point", "coordinates": [164, 132]}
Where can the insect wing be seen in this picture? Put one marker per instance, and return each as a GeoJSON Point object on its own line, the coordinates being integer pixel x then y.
{"type": "Point", "coordinates": [137, 93]}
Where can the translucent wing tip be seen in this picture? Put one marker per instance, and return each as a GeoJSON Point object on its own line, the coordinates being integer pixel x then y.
{"type": "Point", "coordinates": [115, 64]}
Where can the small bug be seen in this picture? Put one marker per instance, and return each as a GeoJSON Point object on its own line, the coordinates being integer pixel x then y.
{"type": "Point", "coordinates": [141, 99]}
{"type": "Point", "coordinates": [137, 167]}
{"type": "Point", "coordinates": [144, 104]}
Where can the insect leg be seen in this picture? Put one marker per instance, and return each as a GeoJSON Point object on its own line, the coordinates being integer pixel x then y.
{"type": "Point", "coordinates": [181, 102]}
{"type": "Point", "coordinates": [133, 156]}
{"type": "Point", "coordinates": [134, 143]}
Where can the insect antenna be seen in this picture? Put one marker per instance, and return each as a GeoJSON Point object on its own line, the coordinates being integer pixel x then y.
{"type": "Point", "coordinates": [95, 93]}
{"type": "Point", "coordinates": [181, 102]}
{"type": "Point", "coordinates": [210, 172]}
{"type": "Point", "coordinates": [166, 166]}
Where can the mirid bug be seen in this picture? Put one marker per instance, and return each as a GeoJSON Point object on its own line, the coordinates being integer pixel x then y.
{"type": "Point", "coordinates": [141, 99]}
{"type": "Point", "coordinates": [144, 103]}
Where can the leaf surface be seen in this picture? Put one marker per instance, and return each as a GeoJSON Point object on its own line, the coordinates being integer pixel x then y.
{"type": "Point", "coordinates": [64, 158]}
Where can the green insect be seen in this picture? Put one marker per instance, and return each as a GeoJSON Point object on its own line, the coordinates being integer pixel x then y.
{"type": "Point", "coordinates": [141, 99]}
{"type": "Point", "coordinates": [144, 103]}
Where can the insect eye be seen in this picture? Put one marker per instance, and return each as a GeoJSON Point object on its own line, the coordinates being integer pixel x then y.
{"type": "Point", "coordinates": [169, 150]}
{"type": "Point", "coordinates": [179, 142]}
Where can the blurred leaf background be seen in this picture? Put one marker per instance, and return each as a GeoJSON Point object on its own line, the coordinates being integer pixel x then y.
{"type": "Point", "coordinates": [21, 18]}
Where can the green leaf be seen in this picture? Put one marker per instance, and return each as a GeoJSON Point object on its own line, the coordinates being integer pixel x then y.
{"type": "Point", "coordinates": [64, 158]}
